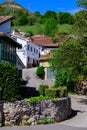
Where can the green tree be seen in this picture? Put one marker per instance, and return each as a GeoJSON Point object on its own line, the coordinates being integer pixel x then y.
{"type": "Point", "coordinates": [39, 29]}
{"type": "Point", "coordinates": [9, 82]}
{"type": "Point", "coordinates": [40, 72]}
{"type": "Point", "coordinates": [50, 27]}
{"type": "Point", "coordinates": [82, 4]}
{"type": "Point", "coordinates": [65, 18]}
{"type": "Point", "coordinates": [23, 20]}
{"type": "Point", "coordinates": [69, 63]}
{"type": "Point", "coordinates": [50, 14]}
{"type": "Point", "coordinates": [80, 26]}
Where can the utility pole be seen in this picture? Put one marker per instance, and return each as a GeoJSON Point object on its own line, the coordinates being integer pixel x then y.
{"type": "Point", "coordinates": [10, 4]}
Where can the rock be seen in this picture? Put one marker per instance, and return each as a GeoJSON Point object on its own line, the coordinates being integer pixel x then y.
{"type": "Point", "coordinates": [31, 120]}
{"type": "Point", "coordinates": [36, 117]}
{"type": "Point", "coordinates": [6, 111]}
{"type": "Point", "coordinates": [25, 117]}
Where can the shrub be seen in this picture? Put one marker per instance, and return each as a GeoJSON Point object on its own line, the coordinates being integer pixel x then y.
{"type": "Point", "coordinates": [62, 91]}
{"type": "Point", "coordinates": [9, 82]}
{"type": "Point", "coordinates": [42, 89]}
{"type": "Point", "coordinates": [40, 72]}
{"type": "Point", "coordinates": [52, 92]}
{"type": "Point", "coordinates": [56, 92]}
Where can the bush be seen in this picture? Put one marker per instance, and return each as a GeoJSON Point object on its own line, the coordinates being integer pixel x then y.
{"type": "Point", "coordinates": [9, 82]}
{"type": "Point", "coordinates": [40, 72]}
{"type": "Point", "coordinates": [42, 89]}
{"type": "Point", "coordinates": [56, 92]}
{"type": "Point", "coordinates": [62, 92]}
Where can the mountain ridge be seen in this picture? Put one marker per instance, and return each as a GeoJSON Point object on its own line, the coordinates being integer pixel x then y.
{"type": "Point", "coordinates": [13, 6]}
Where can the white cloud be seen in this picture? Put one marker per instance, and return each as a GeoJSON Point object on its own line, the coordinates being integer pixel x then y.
{"type": "Point", "coordinates": [73, 11]}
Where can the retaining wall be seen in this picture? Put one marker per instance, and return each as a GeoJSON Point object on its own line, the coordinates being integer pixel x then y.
{"type": "Point", "coordinates": [20, 112]}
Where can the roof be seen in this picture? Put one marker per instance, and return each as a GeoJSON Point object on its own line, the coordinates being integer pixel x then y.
{"type": "Point", "coordinates": [9, 39]}
{"type": "Point", "coordinates": [5, 19]}
{"type": "Point", "coordinates": [43, 40]}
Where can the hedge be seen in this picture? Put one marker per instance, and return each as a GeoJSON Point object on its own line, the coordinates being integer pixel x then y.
{"type": "Point", "coordinates": [56, 92]}
{"type": "Point", "coordinates": [9, 82]}
{"type": "Point", "coordinates": [42, 89]}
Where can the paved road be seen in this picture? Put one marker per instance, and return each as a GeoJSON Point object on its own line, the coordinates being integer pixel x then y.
{"type": "Point", "coordinates": [79, 105]}
{"type": "Point", "coordinates": [77, 122]}
{"type": "Point", "coordinates": [44, 127]}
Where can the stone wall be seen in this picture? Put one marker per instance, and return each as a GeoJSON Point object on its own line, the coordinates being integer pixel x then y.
{"type": "Point", "coordinates": [20, 112]}
{"type": "Point", "coordinates": [1, 113]}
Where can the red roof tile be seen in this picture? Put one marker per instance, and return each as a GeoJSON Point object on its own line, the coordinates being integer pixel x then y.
{"type": "Point", "coordinates": [43, 40]}
{"type": "Point", "coordinates": [5, 18]}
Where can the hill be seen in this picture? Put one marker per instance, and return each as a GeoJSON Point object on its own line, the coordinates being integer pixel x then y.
{"type": "Point", "coordinates": [7, 8]}
{"type": "Point", "coordinates": [34, 23]}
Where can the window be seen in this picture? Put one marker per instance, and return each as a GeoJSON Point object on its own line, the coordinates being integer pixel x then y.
{"type": "Point", "coordinates": [28, 47]}
{"type": "Point", "coordinates": [34, 50]}
{"type": "Point", "coordinates": [31, 48]}
{"type": "Point", "coordinates": [37, 52]}
{"type": "Point", "coordinates": [28, 58]}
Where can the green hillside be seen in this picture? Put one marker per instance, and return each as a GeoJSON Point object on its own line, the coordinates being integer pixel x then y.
{"type": "Point", "coordinates": [7, 8]}
{"type": "Point", "coordinates": [65, 28]}
{"type": "Point", "coordinates": [49, 24]}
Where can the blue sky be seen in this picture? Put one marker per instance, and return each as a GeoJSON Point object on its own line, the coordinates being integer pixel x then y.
{"type": "Point", "coordinates": [44, 5]}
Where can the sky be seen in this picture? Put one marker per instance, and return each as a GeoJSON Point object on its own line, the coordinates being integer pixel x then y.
{"type": "Point", "coordinates": [45, 5]}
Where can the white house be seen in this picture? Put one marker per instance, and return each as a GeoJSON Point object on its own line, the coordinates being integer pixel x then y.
{"type": "Point", "coordinates": [5, 29]}
{"type": "Point", "coordinates": [29, 53]}
{"type": "Point", "coordinates": [45, 44]}
{"type": "Point", "coordinates": [46, 49]}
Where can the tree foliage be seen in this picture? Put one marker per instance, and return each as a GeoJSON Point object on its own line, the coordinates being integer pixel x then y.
{"type": "Point", "coordinates": [9, 82]}
{"type": "Point", "coordinates": [69, 63]}
{"type": "Point", "coordinates": [65, 18]}
{"type": "Point", "coordinates": [23, 20]}
{"type": "Point", "coordinates": [50, 14]}
{"type": "Point", "coordinates": [80, 26]}
{"type": "Point", "coordinates": [82, 4]}
{"type": "Point", "coordinates": [50, 27]}
{"type": "Point", "coordinates": [40, 72]}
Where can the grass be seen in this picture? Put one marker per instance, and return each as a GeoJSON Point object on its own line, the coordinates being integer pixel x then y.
{"type": "Point", "coordinates": [45, 121]}
{"type": "Point", "coordinates": [38, 99]}
{"type": "Point", "coordinates": [64, 28]}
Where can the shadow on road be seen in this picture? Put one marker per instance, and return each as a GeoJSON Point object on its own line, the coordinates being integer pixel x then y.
{"type": "Point", "coordinates": [74, 113]}
{"type": "Point", "coordinates": [83, 101]}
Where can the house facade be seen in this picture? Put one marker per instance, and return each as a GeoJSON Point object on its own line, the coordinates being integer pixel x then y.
{"type": "Point", "coordinates": [7, 44]}
{"type": "Point", "coordinates": [5, 24]}
{"type": "Point", "coordinates": [45, 44]}
{"type": "Point", "coordinates": [44, 62]}
{"type": "Point", "coordinates": [8, 49]}
{"type": "Point", "coordinates": [46, 49]}
{"type": "Point", "coordinates": [29, 53]}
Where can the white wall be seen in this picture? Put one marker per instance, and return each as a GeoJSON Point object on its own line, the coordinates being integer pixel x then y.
{"type": "Point", "coordinates": [26, 51]}
{"type": "Point", "coordinates": [22, 53]}
{"type": "Point", "coordinates": [46, 50]}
